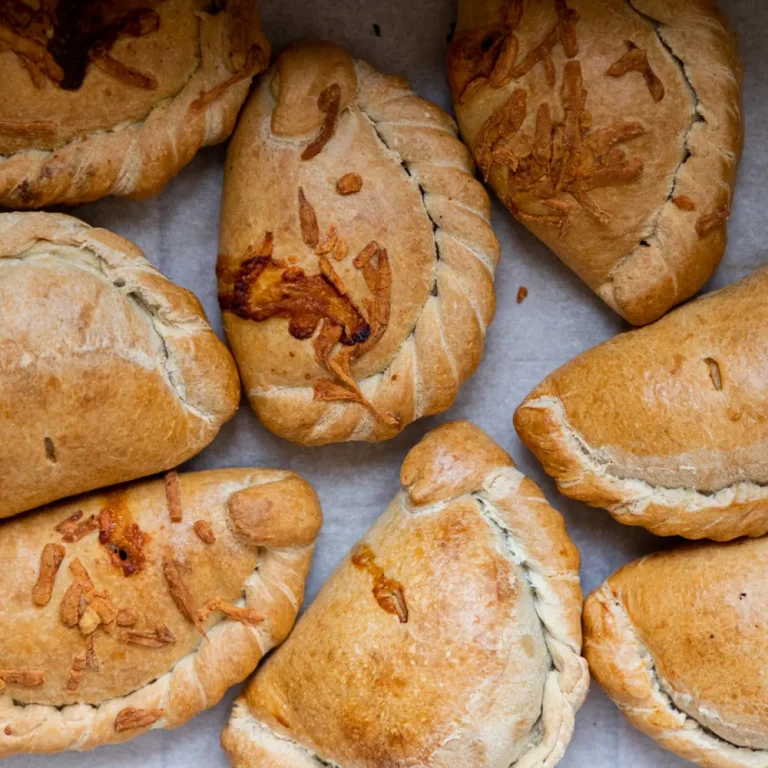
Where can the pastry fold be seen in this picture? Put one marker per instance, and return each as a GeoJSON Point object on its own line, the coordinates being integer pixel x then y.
{"type": "Point", "coordinates": [678, 640]}
{"type": "Point", "coordinates": [664, 426]}
{"type": "Point", "coordinates": [356, 254]}
{"type": "Point", "coordinates": [108, 371]}
{"type": "Point", "coordinates": [136, 608]}
{"type": "Point", "coordinates": [451, 634]}
{"type": "Point", "coordinates": [612, 129]}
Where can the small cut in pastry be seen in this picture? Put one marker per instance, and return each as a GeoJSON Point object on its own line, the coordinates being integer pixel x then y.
{"type": "Point", "coordinates": [678, 640]}
{"type": "Point", "coordinates": [356, 255]}
{"type": "Point", "coordinates": [612, 129]}
{"type": "Point", "coordinates": [136, 608]}
{"type": "Point", "coordinates": [108, 371]}
{"type": "Point", "coordinates": [450, 636]}
{"type": "Point", "coordinates": [114, 97]}
{"type": "Point", "coordinates": [665, 426]}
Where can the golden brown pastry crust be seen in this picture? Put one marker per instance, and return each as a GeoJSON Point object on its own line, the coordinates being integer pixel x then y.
{"type": "Point", "coordinates": [450, 636]}
{"type": "Point", "coordinates": [172, 81]}
{"type": "Point", "coordinates": [612, 129]}
{"type": "Point", "coordinates": [351, 313]}
{"type": "Point", "coordinates": [121, 655]}
{"type": "Point", "coordinates": [678, 641]}
{"type": "Point", "coordinates": [111, 370]}
{"type": "Point", "coordinates": [664, 426]}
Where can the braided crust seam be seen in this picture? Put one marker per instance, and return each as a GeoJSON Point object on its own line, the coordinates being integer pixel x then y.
{"type": "Point", "coordinates": [445, 346]}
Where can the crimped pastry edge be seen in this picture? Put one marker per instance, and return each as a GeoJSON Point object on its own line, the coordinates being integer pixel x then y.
{"type": "Point", "coordinates": [665, 511]}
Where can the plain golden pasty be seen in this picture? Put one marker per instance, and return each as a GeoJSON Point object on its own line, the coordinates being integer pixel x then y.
{"type": "Point", "coordinates": [137, 607]}
{"type": "Point", "coordinates": [108, 371]}
{"type": "Point", "coordinates": [679, 640]}
{"type": "Point", "coordinates": [665, 426]}
{"type": "Point", "coordinates": [450, 636]}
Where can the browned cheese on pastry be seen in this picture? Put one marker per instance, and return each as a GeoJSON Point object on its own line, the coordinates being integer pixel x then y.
{"type": "Point", "coordinates": [114, 97]}
{"type": "Point", "coordinates": [666, 427]}
{"type": "Point", "coordinates": [679, 640]}
{"type": "Point", "coordinates": [108, 371]}
{"type": "Point", "coordinates": [612, 129]}
{"type": "Point", "coordinates": [112, 653]}
{"type": "Point", "coordinates": [450, 635]}
{"type": "Point", "coordinates": [356, 254]}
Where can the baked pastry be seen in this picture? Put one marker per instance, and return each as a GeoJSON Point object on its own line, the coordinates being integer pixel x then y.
{"type": "Point", "coordinates": [357, 259]}
{"type": "Point", "coordinates": [114, 97]}
{"type": "Point", "coordinates": [137, 607]}
{"type": "Point", "coordinates": [451, 635]}
{"type": "Point", "coordinates": [612, 129]}
{"type": "Point", "coordinates": [664, 426]}
{"type": "Point", "coordinates": [108, 371]}
{"type": "Point", "coordinates": [678, 641]}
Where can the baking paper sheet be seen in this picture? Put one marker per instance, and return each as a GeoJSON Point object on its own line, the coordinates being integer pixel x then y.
{"type": "Point", "coordinates": [560, 318]}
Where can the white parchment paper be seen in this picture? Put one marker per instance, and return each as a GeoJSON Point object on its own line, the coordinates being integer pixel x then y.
{"type": "Point", "coordinates": [178, 231]}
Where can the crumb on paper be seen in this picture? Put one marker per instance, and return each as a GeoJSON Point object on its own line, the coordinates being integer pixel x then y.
{"type": "Point", "coordinates": [522, 293]}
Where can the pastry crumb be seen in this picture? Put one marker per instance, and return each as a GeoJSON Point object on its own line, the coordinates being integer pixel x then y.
{"type": "Point", "coordinates": [522, 293]}
{"type": "Point", "coordinates": [50, 450]}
